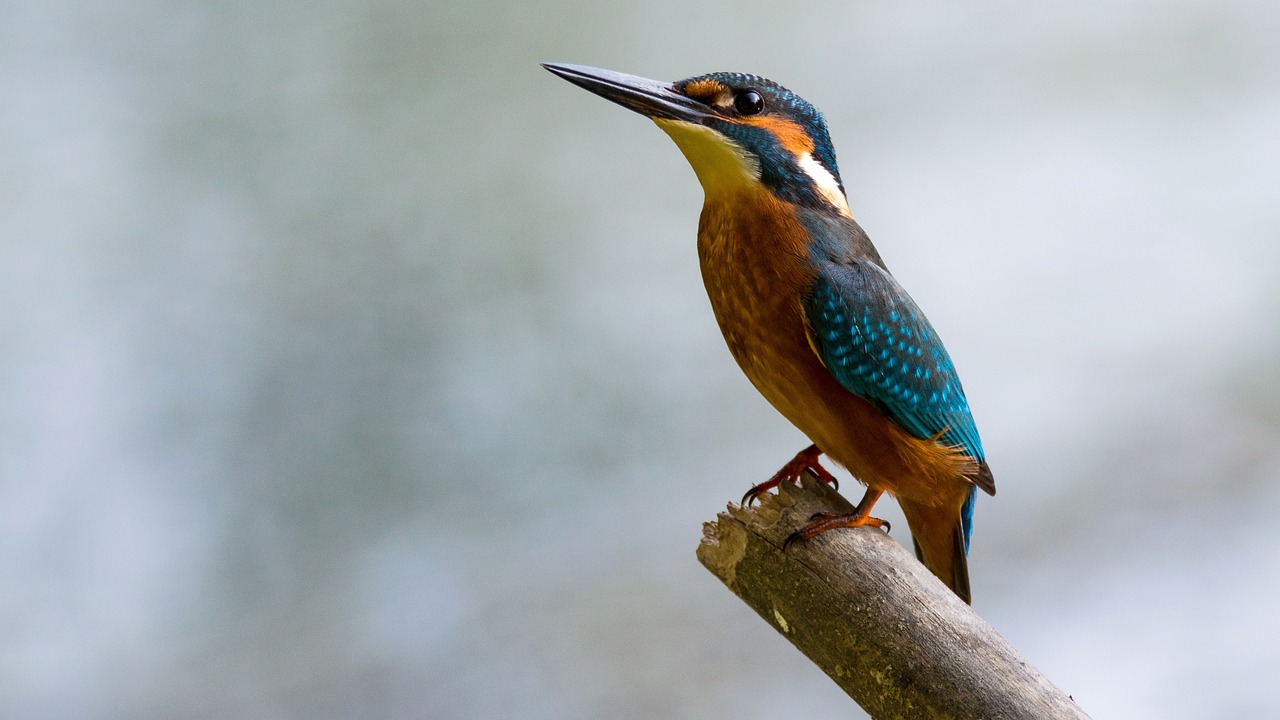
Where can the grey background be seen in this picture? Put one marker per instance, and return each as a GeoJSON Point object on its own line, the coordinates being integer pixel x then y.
{"type": "Point", "coordinates": [355, 367]}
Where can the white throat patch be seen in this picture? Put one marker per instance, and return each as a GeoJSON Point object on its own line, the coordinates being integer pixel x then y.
{"type": "Point", "coordinates": [720, 164]}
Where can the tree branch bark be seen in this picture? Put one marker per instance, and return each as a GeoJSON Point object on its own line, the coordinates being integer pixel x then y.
{"type": "Point", "coordinates": [871, 617]}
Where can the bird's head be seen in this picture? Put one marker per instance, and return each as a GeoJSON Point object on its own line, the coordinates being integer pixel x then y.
{"type": "Point", "coordinates": [739, 132]}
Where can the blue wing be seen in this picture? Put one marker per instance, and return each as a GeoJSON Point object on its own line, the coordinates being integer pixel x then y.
{"type": "Point", "coordinates": [878, 344]}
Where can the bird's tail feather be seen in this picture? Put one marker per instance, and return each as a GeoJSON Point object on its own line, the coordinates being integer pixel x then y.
{"type": "Point", "coordinates": [938, 535]}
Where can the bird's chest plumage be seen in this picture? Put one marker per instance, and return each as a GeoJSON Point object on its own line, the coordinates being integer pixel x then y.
{"type": "Point", "coordinates": [754, 257]}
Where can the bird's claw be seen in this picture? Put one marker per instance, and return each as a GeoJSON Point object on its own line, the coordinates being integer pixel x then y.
{"type": "Point", "coordinates": [805, 461]}
{"type": "Point", "coordinates": [824, 521]}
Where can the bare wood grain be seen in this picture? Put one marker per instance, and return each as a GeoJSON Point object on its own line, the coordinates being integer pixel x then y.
{"type": "Point", "coordinates": [871, 617]}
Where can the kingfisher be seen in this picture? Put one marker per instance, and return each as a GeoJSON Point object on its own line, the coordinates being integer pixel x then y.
{"type": "Point", "coordinates": [811, 313]}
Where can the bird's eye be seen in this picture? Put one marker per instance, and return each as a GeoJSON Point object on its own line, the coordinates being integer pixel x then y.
{"type": "Point", "coordinates": [748, 103]}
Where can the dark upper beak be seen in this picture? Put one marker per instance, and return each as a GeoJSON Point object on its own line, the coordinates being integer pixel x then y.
{"type": "Point", "coordinates": [650, 98]}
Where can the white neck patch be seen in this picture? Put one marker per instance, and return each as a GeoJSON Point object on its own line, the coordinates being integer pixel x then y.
{"type": "Point", "coordinates": [826, 183]}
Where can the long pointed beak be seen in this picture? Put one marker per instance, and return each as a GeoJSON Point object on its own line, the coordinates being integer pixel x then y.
{"type": "Point", "coordinates": [651, 98]}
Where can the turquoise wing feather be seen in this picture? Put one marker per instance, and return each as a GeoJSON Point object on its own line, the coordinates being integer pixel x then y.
{"type": "Point", "coordinates": [877, 343]}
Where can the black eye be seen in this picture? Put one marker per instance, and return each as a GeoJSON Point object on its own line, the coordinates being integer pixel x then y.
{"type": "Point", "coordinates": [748, 103]}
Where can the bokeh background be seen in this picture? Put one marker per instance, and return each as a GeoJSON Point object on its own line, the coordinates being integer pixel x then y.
{"type": "Point", "coordinates": [353, 366]}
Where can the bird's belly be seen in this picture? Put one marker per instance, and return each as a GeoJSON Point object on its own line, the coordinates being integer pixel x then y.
{"type": "Point", "coordinates": [773, 351]}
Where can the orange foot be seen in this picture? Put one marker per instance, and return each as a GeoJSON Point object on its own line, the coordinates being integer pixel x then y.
{"type": "Point", "coordinates": [823, 522]}
{"type": "Point", "coordinates": [806, 459]}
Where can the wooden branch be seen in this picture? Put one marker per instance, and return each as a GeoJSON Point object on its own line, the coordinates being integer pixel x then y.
{"type": "Point", "coordinates": [871, 617]}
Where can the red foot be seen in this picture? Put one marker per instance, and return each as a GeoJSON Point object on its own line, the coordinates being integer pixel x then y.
{"type": "Point", "coordinates": [805, 460]}
{"type": "Point", "coordinates": [823, 522]}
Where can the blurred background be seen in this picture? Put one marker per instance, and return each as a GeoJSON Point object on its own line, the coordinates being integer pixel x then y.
{"type": "Point", "coordinates": [355, 367]}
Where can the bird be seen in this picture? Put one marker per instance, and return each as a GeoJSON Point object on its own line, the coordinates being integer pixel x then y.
{"type": "Point", "coordinates": [811, 313]}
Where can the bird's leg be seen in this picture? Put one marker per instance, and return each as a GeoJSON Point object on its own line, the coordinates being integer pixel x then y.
{"type": "Point", "coordinates": [806, 459]}
{"type": "Point", "coordinates": [823, 522]}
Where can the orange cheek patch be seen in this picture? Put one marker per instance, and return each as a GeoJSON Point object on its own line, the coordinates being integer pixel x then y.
{"type": "Point", "coordinates": [790, 136]}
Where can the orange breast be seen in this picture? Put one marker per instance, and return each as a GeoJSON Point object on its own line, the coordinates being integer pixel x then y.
{"type": "Point", "coordinates": [754, 255]}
